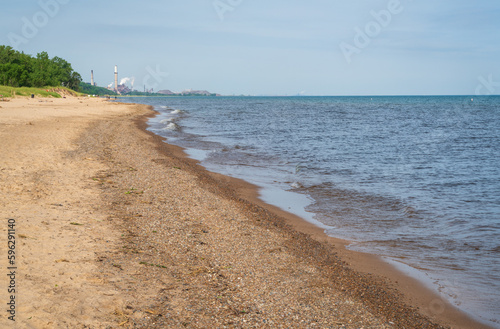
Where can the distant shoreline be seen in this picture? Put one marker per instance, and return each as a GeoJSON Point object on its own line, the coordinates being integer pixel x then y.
{"type": "Point", "coordinates": [319, 96]}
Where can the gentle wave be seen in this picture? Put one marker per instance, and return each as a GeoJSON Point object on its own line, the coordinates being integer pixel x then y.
{"type": "Point", "coordinates": [410, 177]}
{"type": "Point", "coordinates": [172, 126]}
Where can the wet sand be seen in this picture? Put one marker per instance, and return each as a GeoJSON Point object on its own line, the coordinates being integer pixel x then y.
{"type": "Point", "coordinates": [116, 228]}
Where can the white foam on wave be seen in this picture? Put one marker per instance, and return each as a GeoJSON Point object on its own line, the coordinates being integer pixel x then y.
{"type": "Point", "coordinates": [167, 121]}
{"type": "Point", "coordinates": [297, 185]}
{"type": "Point", "coordinates": [172, 126]}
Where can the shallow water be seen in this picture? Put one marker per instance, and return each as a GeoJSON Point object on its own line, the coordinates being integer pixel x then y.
{"type": "Point", "coordinates": [413, 178]}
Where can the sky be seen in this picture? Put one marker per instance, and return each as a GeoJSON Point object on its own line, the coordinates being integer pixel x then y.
{"type": "Point", "coordinates": [273, 47]}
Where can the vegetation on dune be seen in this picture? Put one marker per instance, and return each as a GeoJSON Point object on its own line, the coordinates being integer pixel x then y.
{"type": "Point", "coordinates": [56, 92]}
{"type": "Point", "coordinates": [18, 69]}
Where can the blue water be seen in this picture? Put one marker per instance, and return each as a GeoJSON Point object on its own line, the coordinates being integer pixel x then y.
{"type": "Point", "coordinates": [416, 179]}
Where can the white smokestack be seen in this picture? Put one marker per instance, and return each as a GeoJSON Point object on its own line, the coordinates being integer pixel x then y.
{"type": "Point", "coordinates": [116, 78]}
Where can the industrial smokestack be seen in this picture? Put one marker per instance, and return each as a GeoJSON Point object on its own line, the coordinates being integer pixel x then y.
{"type": "Point", "coordinates": [91, 77]}
{"type": "Point", "coordinates": [116, 78]}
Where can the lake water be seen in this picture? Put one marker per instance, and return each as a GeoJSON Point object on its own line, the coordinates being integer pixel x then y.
{"type": "Point", "coordinates": [416, 179]}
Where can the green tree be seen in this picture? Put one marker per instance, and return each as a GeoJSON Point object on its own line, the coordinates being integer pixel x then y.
{"type": "Point", "coordinates": [22, 70]}
{"type": "Point", "coordinates": [74, 81]}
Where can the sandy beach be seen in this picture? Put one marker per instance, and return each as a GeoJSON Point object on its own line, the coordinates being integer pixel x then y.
{"type": "Point", "coordinates": [114, 228]}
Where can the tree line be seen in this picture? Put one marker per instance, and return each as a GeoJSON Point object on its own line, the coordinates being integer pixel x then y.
{"type": "Point", "coordinates": [86, 88]}
{"type": "Point", "coordinates": [18, 69]}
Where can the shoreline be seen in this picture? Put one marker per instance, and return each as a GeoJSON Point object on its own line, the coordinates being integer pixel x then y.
{"type": "Point", "coordinates": [119, 229]}
{"type": "Point", "coordinates": [428, 301]}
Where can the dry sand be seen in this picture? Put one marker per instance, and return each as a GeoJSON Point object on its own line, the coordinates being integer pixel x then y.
{"type": "Point", "coordinates": [116, 229]}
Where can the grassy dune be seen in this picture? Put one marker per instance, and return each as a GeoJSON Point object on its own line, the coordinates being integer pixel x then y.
{"type": "Point", "coordinates": [56, 92]}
